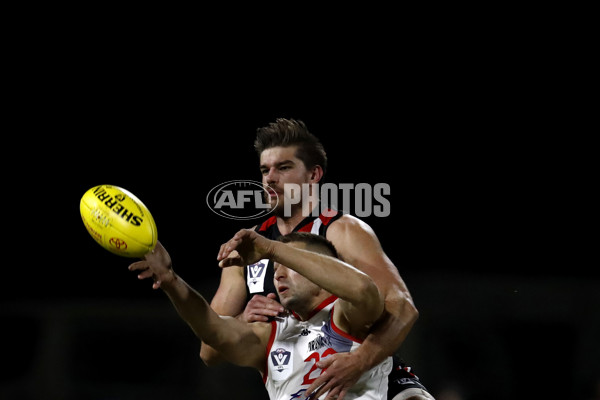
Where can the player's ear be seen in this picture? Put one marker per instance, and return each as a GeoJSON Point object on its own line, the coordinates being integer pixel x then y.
{"type": "Point", "coordinates": [316, 173]}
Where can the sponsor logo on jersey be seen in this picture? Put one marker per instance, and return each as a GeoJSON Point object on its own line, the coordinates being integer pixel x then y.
{"type": "Point", "coordinates": [318, 342]}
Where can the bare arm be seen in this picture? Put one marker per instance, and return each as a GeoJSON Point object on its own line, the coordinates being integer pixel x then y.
{"type": "Point", "coordinates": [239, 342]}
{"type": "Point", "coordinates": [229, 300]}
{"type": "Point", "coordinates": [361, 301]}
{"type": "Point", "coordinates": [358, 245]}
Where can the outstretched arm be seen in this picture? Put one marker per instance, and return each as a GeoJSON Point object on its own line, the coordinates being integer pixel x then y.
{"type": "Point", "coordinates": [239, 342]}
{"type": "Point", "coordinates": [228, 301]}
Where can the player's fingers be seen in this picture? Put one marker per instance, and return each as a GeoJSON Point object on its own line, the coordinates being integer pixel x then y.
{"type": "Point", "coordinates": [233, 244]}
{"type": "Point", "coordinates": [257, 309]}
{"type": "Point", "coordinates": [230, 261]}
{"type": "Point", "coordinates": [145, 274]}
{"type": "Point", "coordinates": [274, 310]}
{"type": "Point", "coordinates": [226, 249]}
{"type": "Point", "coordinates": [321, 391]}
{"type": "Point", "coordinates": [317, 383]}
{"type": "Point", "coordinates": [326, 362]}
{"type": "Point", "coordinates": [342, 394]}
{"type": "Point", "coordinates": [242, 233]}
{"type": "Point", "coordinates": [239, 234]}
{"type": "Point", "coordinates": [274, 305]}
{"type": "Point", "coordinates": [221, 253]}
{"type": "Point", "coordinates": [158, 248]}
{"type": "Point", "coordinates": [258, 318]}
{"type": "Point", "coordinates": [333, 394]}
{"type": "Point", "coordinates": [138, 265]}
{"type": "Point", "coordinates": [262, 311]}
{"type": "Point", "coordinates": [267, 303]}
{"type": "Point", "coordinates": [268, 311]}
{"type": "Point", "coordinates": [225, 263]}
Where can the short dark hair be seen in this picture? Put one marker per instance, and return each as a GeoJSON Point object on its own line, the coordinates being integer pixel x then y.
{"type": "Point", "coordinates": [315, 242]}
{"type": "Point", "coordinates": [291, 132]}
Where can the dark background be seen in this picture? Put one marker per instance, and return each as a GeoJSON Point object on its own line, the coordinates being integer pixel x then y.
{"type": "Point", "coordinates": [485, 198]}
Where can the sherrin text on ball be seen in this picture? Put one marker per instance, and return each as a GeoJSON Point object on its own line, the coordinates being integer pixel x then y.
{"type": "Point", "coordinates": [118, 221]}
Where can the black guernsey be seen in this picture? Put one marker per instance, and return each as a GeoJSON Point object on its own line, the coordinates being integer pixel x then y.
{"type": "Point", "coordinates": [259, 276]}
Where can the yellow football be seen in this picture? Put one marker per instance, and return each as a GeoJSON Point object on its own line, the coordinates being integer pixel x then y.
{"type": "Point", "coordinates": [118, 221]}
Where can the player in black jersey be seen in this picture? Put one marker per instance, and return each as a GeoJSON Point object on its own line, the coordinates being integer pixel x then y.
{"type": "Point", "coordinates": [290, 154]}
{"type": "Point", "coordinates": [259, 277]}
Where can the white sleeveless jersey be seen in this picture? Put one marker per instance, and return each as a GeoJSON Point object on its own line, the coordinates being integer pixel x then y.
{"type": "Point", "coordinates": [295, 346]}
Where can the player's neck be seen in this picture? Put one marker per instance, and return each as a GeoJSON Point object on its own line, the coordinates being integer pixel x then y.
{"type": "Point", "coordinates": [307, 310]}
{"type": "Point", "coordinates": [287, 224]}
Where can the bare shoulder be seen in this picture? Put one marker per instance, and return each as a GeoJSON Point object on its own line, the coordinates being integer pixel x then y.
{"type": "Point", "coordinates": [358, 245]}
{"type": "Point", "coordinates": [349, 227]}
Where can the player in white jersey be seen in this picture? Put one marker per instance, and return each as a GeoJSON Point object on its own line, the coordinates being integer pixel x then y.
{"type": "Point", "coordinates": [331, 304]}
{"type": "Point", "coordinates": [298, 344]}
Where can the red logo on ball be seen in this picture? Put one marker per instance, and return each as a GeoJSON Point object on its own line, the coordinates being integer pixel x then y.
{"type": "Point", "coordinates": [118, 244]}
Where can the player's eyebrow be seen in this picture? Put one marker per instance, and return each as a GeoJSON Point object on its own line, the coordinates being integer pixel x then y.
{"type": "Point", "coordinates": [277, 164]}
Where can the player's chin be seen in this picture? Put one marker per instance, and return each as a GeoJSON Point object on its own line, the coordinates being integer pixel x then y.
{"type": "Point", "coordinates": [278, 208]}
{"type": "Point", "coordinates": [285, 299]}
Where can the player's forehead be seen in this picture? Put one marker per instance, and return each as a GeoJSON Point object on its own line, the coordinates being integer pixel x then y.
{"type": "Point", "coordinates": [276, 155]}
{"type": "Point", "coordinates": [298, 245]}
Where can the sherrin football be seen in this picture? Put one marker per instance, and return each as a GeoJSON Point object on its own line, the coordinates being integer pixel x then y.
{"type": "Point", "coordinates": [118, 221]}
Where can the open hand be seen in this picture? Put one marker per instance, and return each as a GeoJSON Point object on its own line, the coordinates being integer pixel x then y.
{"type": "Point", "coordinates": [260, 308]}
{"type": "Point", "coordinates": [155, 265]}
{"type": "Point", "coordinates": [244, 248]}
{"type": "Point", "coordinates": [340, 372]}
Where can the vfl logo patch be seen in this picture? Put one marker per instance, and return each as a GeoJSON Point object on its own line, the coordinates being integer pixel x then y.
{"type": "Point", "coordinates": [256, 276]}
{"type": "Point", "coordinates": [281, 361]}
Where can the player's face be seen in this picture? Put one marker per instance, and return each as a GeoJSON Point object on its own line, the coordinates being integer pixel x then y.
{"type": "Point", "coordinates": [295, 291]}
{"type": "Point", "coordinates": [279, 166]}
